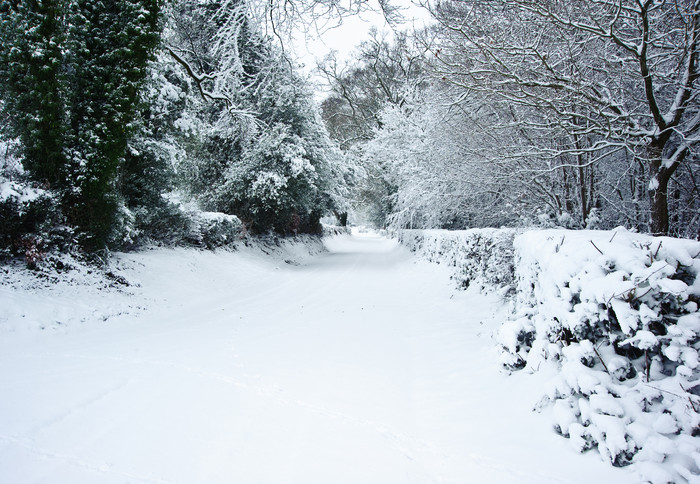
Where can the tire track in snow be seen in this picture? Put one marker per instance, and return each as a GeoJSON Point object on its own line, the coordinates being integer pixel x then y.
{"type": "Point", "coordinates": [103, 395]}
{"type": "Point", "coordinates": [409, 446]}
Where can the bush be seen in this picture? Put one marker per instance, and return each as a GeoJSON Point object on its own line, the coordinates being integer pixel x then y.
{"type": "Point", "coordinates": [483, 257]}
{"type": "Point", "coordinates": [213, 229]}
{"type": "Point", "coordinates": [618, 314]}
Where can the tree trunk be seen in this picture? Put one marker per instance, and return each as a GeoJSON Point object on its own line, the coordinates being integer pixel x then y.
{"type": "Point", "coordinates": [658, 191]}
{"type": "Point", "coordinates": [582, 190]}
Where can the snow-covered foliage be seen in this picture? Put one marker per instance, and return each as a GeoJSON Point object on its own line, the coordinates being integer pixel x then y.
{"type": "Point", "coordinates": [255, 145]}
{"type": "Point", "coordinates": [618, 313]}
{"type": "Point", "coordinates": [481, 257]}
{"type": "Point", "coordinates": [439, 170]}
{"type": "Point", "coordinates": [215, 229]}
{"type": "Point", "coordinates": [613, 317]}
{"type": "Point", "coordinates": [30, 221]}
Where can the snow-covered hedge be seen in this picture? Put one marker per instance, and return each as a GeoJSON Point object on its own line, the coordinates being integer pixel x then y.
{"type": "Point", "coordinates": [214, 229]}
{"type": "Point", "coordinates": [618, 313]}
{"type": "Point", "coordinates": [615, 315]}
{"type": "Point", "coordinates": [482, 257]}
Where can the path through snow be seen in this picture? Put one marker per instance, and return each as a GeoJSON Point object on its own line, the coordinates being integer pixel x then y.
{"type": "Point", "coordinates": [361, 365]}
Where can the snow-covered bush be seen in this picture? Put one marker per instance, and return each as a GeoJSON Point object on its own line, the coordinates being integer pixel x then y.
{"type": "Point", "coordinates": [479, 256]}
{"type": "Point", "coordinates": [214, 229]}
{"type": "Point", "coordinates": [332, 230]}
{"type": "Point", "coordinates": [618, 313]}
{"type": "Point", "coordinates": [30, 217]}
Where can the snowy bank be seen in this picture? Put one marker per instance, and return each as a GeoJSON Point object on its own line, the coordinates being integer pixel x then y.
{"type": "Point", "coordinates": [63, 293]}
{"type": "Point", "coordinates": [613, 317]}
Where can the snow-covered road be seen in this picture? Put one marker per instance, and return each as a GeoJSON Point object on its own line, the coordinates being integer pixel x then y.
{"type": "Point", "coordinates": [360, 365]}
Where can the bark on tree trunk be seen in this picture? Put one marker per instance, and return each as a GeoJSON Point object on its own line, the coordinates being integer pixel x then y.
{"type": "Point", "coordinates": [659, 209]}
{"type": "Point", "coordinates": [582, 191]}
{"type": "Point", "coordinates": [658, 191]}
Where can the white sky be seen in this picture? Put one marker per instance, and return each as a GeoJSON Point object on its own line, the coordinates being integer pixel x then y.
{"type": "Point", "coordinates": [310, 47]}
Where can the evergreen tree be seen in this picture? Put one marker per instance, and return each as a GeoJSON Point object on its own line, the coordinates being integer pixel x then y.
{"type": "Point", "coordinates": [287, 176]}
{"type": "Point", "coordinates": [111, 43]}
{"type": "Point", "coordinates": [148, 169]}
{"type": "Point", "coordinates": [32, 84]}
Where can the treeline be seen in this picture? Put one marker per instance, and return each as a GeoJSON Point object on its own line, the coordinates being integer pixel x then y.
{"type": "Point", "coordinates": [520, 112]}
{"type": "Point", "coordinates": [122, 120]}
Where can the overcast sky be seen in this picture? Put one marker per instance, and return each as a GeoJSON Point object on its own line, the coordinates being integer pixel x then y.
{"type": "Point", "coordinates": [345, 37]}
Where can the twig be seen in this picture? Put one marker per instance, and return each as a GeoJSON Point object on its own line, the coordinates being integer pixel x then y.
{"type": "Point", "coordinates": [611, 238]}
{"type": "Point", "coordinates": [690, 395]}
{"type": "Point", "coordinates": [647, 365]}
{"type": "Point", "coordinates": [658, 249]}
{"type": "Point", "coordinates": [692, 404]}
{"type": "Point", "coordinates": [601, 360]}
{"type": "Point", "coordinates": [558, 246]}
{"type": "Point", "coordinates": [596, 247]}
{"type": "Point", "coordinates": [663, 391]}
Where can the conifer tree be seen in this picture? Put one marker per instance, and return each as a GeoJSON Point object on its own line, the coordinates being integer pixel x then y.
{"type": "Point", "coordinates": [32, 84]}
{"type": "Point", "coordinates": [111, 43]}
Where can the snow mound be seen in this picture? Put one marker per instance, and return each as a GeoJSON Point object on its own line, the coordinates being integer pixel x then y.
{"type": "Point", "coordinates": [64, 293]}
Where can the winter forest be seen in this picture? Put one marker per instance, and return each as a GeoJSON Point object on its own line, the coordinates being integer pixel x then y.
{"type": "Point", "coordinates": [430, 260]}
{"type": "Point", "coordinates": [117, 116]}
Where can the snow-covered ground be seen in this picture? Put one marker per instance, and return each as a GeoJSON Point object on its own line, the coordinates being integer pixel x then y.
{"type": "Point", "coordinates": [358, 365]}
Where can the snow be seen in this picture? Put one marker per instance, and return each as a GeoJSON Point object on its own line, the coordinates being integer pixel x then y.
{"type": "Point", "coordinates": [20, 193]}
{"type": "Point", "coordinates": [272, 364]}
{"type": "Point", "coordinates": [610, 311]}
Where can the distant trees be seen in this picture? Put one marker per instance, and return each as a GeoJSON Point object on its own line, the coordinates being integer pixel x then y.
{"type": "Point", "coordinates": [590, 83]}
{"type": "Point", "coordinates": [384, 74]}
{"type": "Point", "coordinates": [581, 114]}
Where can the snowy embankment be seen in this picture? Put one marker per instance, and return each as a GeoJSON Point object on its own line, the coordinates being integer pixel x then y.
{"type": "Point", "coordinates": [350, 362]}
{"type": "Point", "coordinates": [65, 294]}
{"type": "Point", "coordinates": [613, 318]}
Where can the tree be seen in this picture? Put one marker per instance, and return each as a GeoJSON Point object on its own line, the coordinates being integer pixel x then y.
{"type": "Point", "coordinates": [382, 73]}
{"type": "Point", "coordinates": [259, 150]}
{"type": "Point", "coordinates": [611, 76]}
{"type": "Point", "coordinates": [33, 84]}
{"type": "Point", "coordinates": [110, 45]}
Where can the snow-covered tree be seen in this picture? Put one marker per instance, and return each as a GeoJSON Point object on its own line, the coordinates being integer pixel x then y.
{"type": "Point", "coordinates": [71, 78]}
{"type": "Point", "coordinates": [605, 77]}
{"type": "Point", "coordinates": [259, 150]}
{"type": "Point", "coordinates": [110, 45]}
{"type": "Point", "coordinates": [33, 84]}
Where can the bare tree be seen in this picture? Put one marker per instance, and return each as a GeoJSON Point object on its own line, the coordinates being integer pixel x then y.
{"type": "Point", "coordinates": [383, 72]}
{"type": "Point", "coordinates": [603, 77]}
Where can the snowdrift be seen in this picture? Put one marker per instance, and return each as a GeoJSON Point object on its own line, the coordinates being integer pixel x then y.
{"type": "Point", "coordinates": [614, 316]}
{"type": "Point", "coordinates": [64, 293]}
